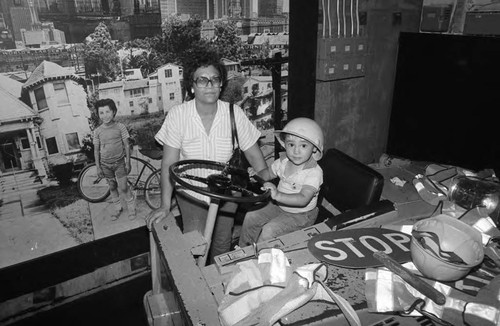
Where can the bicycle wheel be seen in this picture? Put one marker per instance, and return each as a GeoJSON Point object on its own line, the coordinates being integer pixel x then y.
{"type": "Point", "coordinates": [90, 186]}
{"type": "Point", "coordinates": [153, 190]}
{"type": "Point", "coordinates": [139, 173]}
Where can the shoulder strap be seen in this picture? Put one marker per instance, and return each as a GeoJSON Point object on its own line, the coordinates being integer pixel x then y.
{"type": "Point", "coordinates": [234, 132]}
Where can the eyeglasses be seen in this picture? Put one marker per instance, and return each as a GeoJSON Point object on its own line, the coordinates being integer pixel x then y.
{"type": "Point", "coordinates": [203, 81]}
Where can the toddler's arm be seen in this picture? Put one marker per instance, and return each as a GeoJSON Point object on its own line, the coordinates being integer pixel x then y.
{"type": "Point", "coordinates": [300, 199]}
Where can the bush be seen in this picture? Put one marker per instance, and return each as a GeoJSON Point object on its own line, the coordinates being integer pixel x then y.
{"type": "Point", "coordinates": [57, 196]}
{"type": "Point", "coordinates": [144, 135]}
{"type": "Point", "coordinates": [63, 173]}
{"type": "Point", "coordinates": [88, 147]}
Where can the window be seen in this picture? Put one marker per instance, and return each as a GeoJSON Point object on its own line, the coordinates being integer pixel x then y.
{"type": "Point", "coordinates": [73, 143]}
{"type": "Point", "coordinates": [136, 92]}
{"type": "Point", "coordinates": [150, 100]}
{"type": "Point", "coordinates": [159, 98]}
{"type": "Point", "coordinates": [61, 94]}
{"type": "Point", "coordinates": [51, 145]}
{"type": "Point", "coordinates": [131, 103]}
{"type": "Point", "coordinates": [39, 143]}
{"type": "Point", "coordinates": [41, 101]}
{"type": "Point", "coordinates": [172, 96]}
{"type": "Point", "coordinates": [25, 144]}
{"type": "Point", "coordinates": [168, 73]}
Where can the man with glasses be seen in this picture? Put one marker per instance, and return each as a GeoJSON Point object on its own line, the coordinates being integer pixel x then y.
{"type": "Point", "coordinates": [201, 129]}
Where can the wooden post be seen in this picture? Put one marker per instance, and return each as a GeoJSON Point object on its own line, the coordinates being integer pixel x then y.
{"type": "Point", "coordinates": [209, 229]}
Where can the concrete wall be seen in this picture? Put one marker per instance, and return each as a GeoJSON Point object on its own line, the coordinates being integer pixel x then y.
{"type": "Point", "coordinates": [354, 113]}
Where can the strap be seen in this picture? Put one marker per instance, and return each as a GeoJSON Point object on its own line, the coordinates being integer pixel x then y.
{"type": "Point", "coordinates": [234, 132]}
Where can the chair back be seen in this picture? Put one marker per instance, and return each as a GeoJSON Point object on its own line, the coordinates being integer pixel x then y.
{"type": "Point", "coordinates": [348, 183]}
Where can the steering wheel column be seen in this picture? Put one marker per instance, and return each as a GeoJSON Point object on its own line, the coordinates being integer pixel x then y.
{"type": "Point", "coordinates": [220, 182]}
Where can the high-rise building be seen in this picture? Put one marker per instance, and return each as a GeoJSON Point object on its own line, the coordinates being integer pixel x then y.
{"type": "Point", "coordinates": [246, 8]}
{"type": "Point", "coordinates": [126, 19]}
{"type": "Point", "coordinates": [21, 19]}
{"type": "Point", "coordinates": [270, 8]}
{"type": "Point", "coordinates": [189, 7]}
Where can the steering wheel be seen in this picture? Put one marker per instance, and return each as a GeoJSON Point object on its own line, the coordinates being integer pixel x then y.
{"type": "Point", "coordinates": [230, 184]}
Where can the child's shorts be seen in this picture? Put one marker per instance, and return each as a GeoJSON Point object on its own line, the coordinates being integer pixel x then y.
{"type": "Point", "coordinates": [114, 171]}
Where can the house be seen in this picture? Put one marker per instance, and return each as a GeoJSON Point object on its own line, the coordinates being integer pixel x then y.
{"type": "Point", "coordinates": [131, 96]}
{"type": "Point", "coordinates": [20, 140]}
{"type": "Point", "coordinates": [169, 85]}
{"type": "Point", "coordinates": [59, 101]}
{"type": "Point", "coordinates": [233, 68]}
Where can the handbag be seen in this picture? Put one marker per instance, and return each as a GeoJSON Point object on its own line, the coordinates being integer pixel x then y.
{"type": "Point", "coordinates": [238, 161]}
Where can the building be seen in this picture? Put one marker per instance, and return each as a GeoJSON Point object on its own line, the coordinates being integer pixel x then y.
{"type": "Point", "coordinates": [49, 129]}
{"type": "Point", "coordinates": [157, 93]}
{"type": "Point", "coordinates": [21, 19]}
{"type": "Point", "coordinates": [19, 135]}
{"type": "Point", "coordinates": [126, 19]}
{"type": "Point", "coordinates": [60, 102]}
{"type": "Point", "coordinates": [66, 55]}
{"type": "Point", "coordinates": [188, 7]}
{"type": "Point", "coordinates": [233, 68]}
{"type": "Point", "coordinates": [270, 8]}
{"type": "Point", "coordinates": [169, 86]}
{"type": "Point", "coordinates": [46, 36]}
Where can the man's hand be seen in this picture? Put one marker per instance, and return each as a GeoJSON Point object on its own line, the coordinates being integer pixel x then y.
{"type": "Point", "coordinates": [156, 216]}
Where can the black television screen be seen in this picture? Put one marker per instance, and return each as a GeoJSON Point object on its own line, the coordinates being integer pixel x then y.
{"type": "Point", "coordinates": [446, 100]}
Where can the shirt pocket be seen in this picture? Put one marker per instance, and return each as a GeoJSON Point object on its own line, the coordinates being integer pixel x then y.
{"type": "Point", "coordinates": [191, 148]}
{"type": "Point", "coordinates": [223, 148]}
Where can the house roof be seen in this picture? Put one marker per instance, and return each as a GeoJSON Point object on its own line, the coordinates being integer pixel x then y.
{"type": "Point", "coordinates": [273, 38]}
{"type": "Point", "coordinates": [133, 84]}
{"type": "Point", "coordinates": [48, 71]}
{"type": "Point", "coordinates": [229, 62]}
{"type": "Point", "coordinates": [10, 85]}
{"type": "Point", "coordinates": [109, 85]}
{"type": "Point", "coordinates": [12, 108]}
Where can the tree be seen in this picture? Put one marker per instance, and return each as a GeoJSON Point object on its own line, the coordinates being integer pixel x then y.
{"type": "Point", "coordinates": [226, 40]}
{"type": "Point", "coordinates": [100, 55]}
{"type": "Point", "coordinates": [178, 38]}
{"type": "Point", "coordinates": [233, 92]}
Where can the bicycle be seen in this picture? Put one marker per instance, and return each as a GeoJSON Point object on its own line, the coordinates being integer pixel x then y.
{"type": "Point", "coordinates": [143, 179]}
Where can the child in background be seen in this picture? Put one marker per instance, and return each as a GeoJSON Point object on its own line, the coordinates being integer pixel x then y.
{"type": "Point", "coordinates": [112, 156]}
{"type": "Point", "coordinates": [300, 177]}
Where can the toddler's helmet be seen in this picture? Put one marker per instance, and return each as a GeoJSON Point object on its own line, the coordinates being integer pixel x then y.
{"type": "Point", "coordinates": [307, 129]}
{"type": "Point", "coordinates": [444, 248]}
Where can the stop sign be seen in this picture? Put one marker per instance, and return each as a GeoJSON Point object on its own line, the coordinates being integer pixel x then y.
{"type": "Point", "coordinates": [354, 248]}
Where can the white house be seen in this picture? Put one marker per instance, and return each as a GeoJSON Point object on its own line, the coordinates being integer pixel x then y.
{"type": "Point", "coordinates": [59, 99]}
{"type": "Point", "coordinates": [233, 68]}
{"type": "Point", "coordinates": [169, 85]}
{"type": "Point", "coordinates": [132, 96]}
{"type": "Point", "coordinates": [48, 130]}
{"type": "Point", "coordinates": [20, 143]}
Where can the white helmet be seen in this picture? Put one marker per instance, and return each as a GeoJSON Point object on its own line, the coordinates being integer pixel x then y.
{"type": "Point", "coordinates": [307, 129]}
{"type": "Point", "coordinates": [444, 248]}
